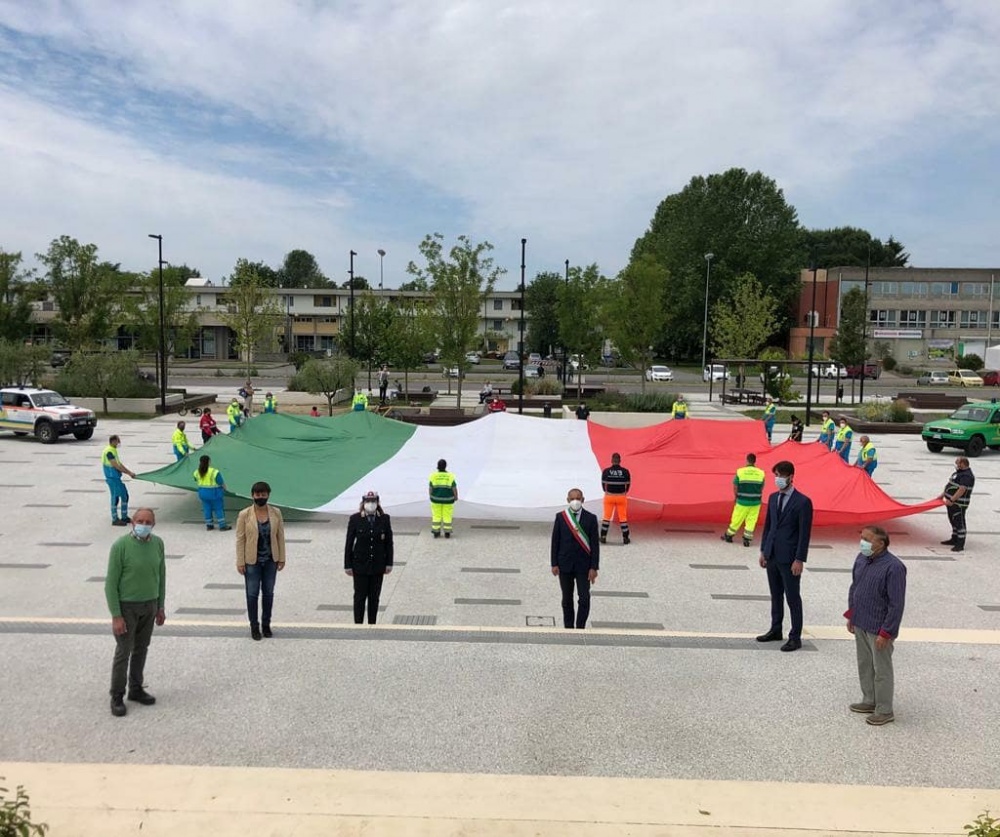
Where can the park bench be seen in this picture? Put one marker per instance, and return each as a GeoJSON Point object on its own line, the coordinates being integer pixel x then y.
{"type": "Point", "coordinates": [751, 397]}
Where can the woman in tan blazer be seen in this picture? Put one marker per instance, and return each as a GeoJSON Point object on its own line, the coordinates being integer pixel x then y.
{"type": "Point", "coordinates": [260, 554]}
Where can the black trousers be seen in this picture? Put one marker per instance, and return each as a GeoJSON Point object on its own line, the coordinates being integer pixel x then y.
{"type": "Point", "coordinates": [366, 588]}
{"type": "Point", "coordinates": [956, 517]}
{"type": "Point", "coordinates": [783, 586]}
{"type": "Point", "coordinates": [382, 389]}
{"type": "Point", "coordinates": [567, 581]}
{"type": "Point", "coordinates": [130, 648]}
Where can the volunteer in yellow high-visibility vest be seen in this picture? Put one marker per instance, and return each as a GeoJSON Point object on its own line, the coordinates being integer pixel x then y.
{"type": "Point", "coordinates": [828, 430]}
{"type": "Point", "coordinates": [182, 447]}
{"type": "Point", "coordinates": [443, 493]}
{"type": "Point", "coordinates": [680, 408]}
{"type": "Point", "coordinates": [748, 488]}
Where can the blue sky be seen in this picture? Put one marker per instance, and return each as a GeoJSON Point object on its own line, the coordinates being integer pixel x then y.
{"type": "Point", "coordinates": [249, 128]}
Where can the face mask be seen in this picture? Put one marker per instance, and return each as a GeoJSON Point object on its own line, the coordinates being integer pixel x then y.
{"type": "Point", "coordinates": [576, 505]}
{"type": "Point", "coordinates": [781, 483]}
{"type": "Point", "coordinates": [142, 530]}
{"type": "Point", "coordinates": [371, 507]}
{"type": "Point", "coordinates": [866, 548]}
{"type": "Point", "coordinates": [260, 501]}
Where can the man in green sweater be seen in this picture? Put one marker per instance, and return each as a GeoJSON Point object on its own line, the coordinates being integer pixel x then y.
{"type": "Point", "coordinates": [135, 587]}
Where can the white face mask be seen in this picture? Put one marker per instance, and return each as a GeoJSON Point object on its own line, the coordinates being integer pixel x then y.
{"type": "Point", "coordinates": [371, 507]}
{"type": "Point", "coordinates": [866, 548]}
{"type": "Point", "coordinates": [781, 483]}
{"type": "Point", "coordinates": [576, 505]}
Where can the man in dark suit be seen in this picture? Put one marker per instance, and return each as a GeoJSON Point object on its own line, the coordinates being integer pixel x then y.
{"type": "Point", "coordinates": [783, 552]}
{"type": "Point", "coordinates": [576, 550]}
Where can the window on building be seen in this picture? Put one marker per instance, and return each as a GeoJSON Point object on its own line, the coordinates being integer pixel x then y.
{"type": "Point", "coordinates": [289, 301]}
{"type": "Point", "coordinates": [327, 319]}
{"type": "Point", "coordinates": [882, 318]}
{"type": "Point", "coordinates": [995, 320]}
{"type": "Point", "coordinates": [197, 300]}
{"type": "Point", "coordinates": [498, 325]}
{"type": "Point", "coordinates": [906, 288]}
{"type": "Point", "coordinates": [326, 342]}
{"type": "Point", "coordinates": [322, 302]}
{"type": "Point", "coordinates": [811, 319]}
{"type": "Point", "coordinates": [973, 319]}
{"type": "Point", "coordinates": [912, 319]}
{"type": "Point", "coordinates": [304, 342]}
{"type": "Point", "coordinates": [515, 304]}
{"type": "Point", "coordinates": [498, 305]}
{"type": "Point", "coordinates": [942, 319]}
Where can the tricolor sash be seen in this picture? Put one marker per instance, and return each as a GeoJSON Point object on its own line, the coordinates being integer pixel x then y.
{"type": "Point", "coordinates": [578, 533]}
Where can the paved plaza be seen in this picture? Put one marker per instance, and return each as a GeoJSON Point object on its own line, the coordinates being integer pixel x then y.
{"type": "Point", "coordinates": [466, 711]}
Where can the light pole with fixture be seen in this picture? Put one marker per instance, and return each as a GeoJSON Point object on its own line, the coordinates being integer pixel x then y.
{"type": "Point", "coordinates": [381, 260]}
{"type": "Point", "coordinates": [520, 347]}
{"type": "Point", "coordinates": [163, 331]}
{"type": "Point", "coordinates": [704, 332]}
{"type": "Point", "coordinates": [350, 274]}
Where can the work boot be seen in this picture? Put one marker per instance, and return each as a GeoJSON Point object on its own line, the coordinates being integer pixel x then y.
{"type": "Point", "coordinates": [126, 519]}
{"type": "Point", "coordinates": [118, 523]}
{"type": "Point", "coordinates": [727, 538]}
{"type": "Point", "coordinates": [209, 526]}
{"type": "Point", "coordinates": [447, 534]}
{"type": "Point", "coordinates": [255, 633]}
{"type": "Point", "coordinates": [958, 547]}
{"type": "Point", "coordinates": [140, 695]}
{"type": "Point", "coordinates": [118, 706]}
{"type": "Point", "coordinates": [224, 527]}
{"type": "Point", "coordinates": [436, 534]}
{"type": "Point", "coordinates": [949, 542]}
{"type": "Point", "coordinates": [604, 538]}
{"type": "Point", "coordinates": [626, 540]}
{"type": "Point", "coordinates": [266, 630]}
{"type": "Point", "coordinates": [746, 542]}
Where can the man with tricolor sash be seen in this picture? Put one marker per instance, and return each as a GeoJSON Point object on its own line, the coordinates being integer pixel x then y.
{"type": "Point", "coordinates": [576, 548]}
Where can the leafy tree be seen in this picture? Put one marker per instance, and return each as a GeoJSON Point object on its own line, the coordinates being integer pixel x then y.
{"type": "Point", "coordinates": [253, 311]}
{"type": "Point", "coordinates": [18, 289]}
{"type": "Point", "coordinates": [21, 364]}
{"type": "Point", "coordinates": [579, 306]}
{"type": "Point", "coordinates": [848, 345]}
{"type": "Point", "coordinates": [743, 323]}
{"type": "Point", "coordinates": [300, 270]}
{"type": "Point", "coordinates": [360, 283]}
{"type": "Point", "coordinates": [263, 274]}
{"type": "Point", "coordinates": [636, 311]}
{"type": "Point", "coordinates": [327, 377]}
{"type": "Point", "coordinates": [415, 285]}
{"type": "Point", "coordinates": [411, 337]}
{"type": "Point", "coordinates": [176, 274]}
{"type": "Point", "coordinates": [459, 283]}
{"type": "Point", "coordinates": [87, 293]}
{"type": "Point", "coordinates": [852, 247]}
{"type": "Point", "coordinates": [105, 374]}
{"type": "Point", "coordinates": [142, 314]}
{"type": "Point", "coordinates": [741, 218]}
{"type": "Point", "coordinates": [370, 321]}
{"type": "Point", "coordinates": [541, 304]}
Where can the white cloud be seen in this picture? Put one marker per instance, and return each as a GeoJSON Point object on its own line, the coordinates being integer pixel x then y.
{"type": "Point", "coordinates": [564, 122]}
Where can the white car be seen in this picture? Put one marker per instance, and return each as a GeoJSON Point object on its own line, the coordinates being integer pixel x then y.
{"type": "Point", "coordinates": [659, 373]}
{"type": "Point", "coordinates": [472, 357]}
{"type": "Point", "coordinates": [717, 372]}
{"type": "Point", "coordinates": [829, 370]}
{"type": "Point", "coordinates": [534, 359]}
{"type": "Point", "coordinates": [44, 413]}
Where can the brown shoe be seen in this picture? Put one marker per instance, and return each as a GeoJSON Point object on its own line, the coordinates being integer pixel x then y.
{"type": "Point", "coordinates": [862, 708]}
{"type": "Point", "coordinates": [877, 720]}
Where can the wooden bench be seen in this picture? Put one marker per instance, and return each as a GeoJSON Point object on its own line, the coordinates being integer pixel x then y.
{"type": "Point", "coordinates": [751, 397]}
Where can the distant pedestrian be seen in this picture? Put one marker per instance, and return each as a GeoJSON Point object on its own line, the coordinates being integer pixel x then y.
{"type": "Point", "coordinates": [875, 604]}
{"type": "Point", "coordinates": [359, 403]}
{"type": "Point", "coordinates": [383, 383]}
{"type": "Point", "coordinates": [443, 493]}
{"type": "Point", "coordinates": [616, 482]}
{"type": "Point", "coordinates": [679, 410]}
{"type": "Point", "coordinates": [843, 440]}
{"type": "Point", "coordinates": [208, 426]}
{"type": "Point", "coordinates": [368, 555]}
{"type": "Point", "coordinates": [247, 394]}
{"type": "Point", "coordinates": [113, 470]}
{"type": "Point", "coordinates": [827, 430]}
{"type": "Point", "coordinates": [234, 414]}
{"type": "Point", "coordinates": [956, 496]}
{"type": "Point", "coordinates": [135, 588]}
{"type": "Point", "coordinates": [212, 493]}
{"type": "Point", "coordinates": [182, 447]}
{"type": "Point", "coordinates": [770, 413]}
{"type": "Point", "coordinates": [260, 556]}
{"type": "Point", "coordinates": [575, 557]}
{"type": "Point", "coordinates": [270, 403]}
{"type": "Point", "coordinates": [314, 412]}
{"type": "Point", "coordinates": [796, 434]}
{"type": "Point", "coordinates": [486, 393]}
{"type": "Point", "coordinates": [583, 412]}
{"type": "Point", "coordinates": [867, 456]}
{"type": "Point", "coordinates": [748, 488]}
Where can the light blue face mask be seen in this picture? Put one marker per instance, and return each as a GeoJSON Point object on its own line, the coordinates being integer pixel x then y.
{"type": "Point", "coordinates": [866, 548]}
{"type": "Point", "coordinates": [142, 530]}
{"type": "Point", "coordinates": [781, 483]}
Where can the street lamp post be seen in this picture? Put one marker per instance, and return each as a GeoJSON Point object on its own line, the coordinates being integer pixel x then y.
{"type": "Point", "coordinates": [381, 260]}
{"type": "Point", "coordinates": [565, 369]}
{"type": "Point", "coordinates": [864, 329]}
{"type": "Point", "coordinates": [520, 347]}
{"type": "Point", "coordinates": [812, 347]}
{"type": "Point", "coordinates": [350, 274]}
{"type": "Point", "coordinates": [704, 332]}
{"type": "Point", "coordinates": [163, 330]}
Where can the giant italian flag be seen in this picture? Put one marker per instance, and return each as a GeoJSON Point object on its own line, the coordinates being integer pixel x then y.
{"type": "Point", "coordinates": [511, 467]}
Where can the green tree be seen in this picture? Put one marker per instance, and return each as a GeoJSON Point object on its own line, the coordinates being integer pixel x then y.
{"type": "Point", "coordinates": [176, 274]}
{"type": "Point", "coordinates": [415, 285]}
{"type": "Point", "coordinates": [18, 289]}
{"type": "Point", "coordinates": [848, 345]}
{"type": "Point", "coordinates": [21, 364]}
{"type": "Point", "coordinates": [141, 313]}
{"type": "Point", "coordinates": [253, 311]}
{"type": "Point", "coordinates": [300, 270]}
{"type": "Point", "coordinates": [852, 247]}
{"type": "Point", "coordinates": [541, 305]}
{"type": "Point", "coordinates": [741, 218]}
{"type": "Point", "coordinates": [411, 337]}
{"type": "Point", "coordinates": [635, 311]}
{"type": "Point", "coordinates": [360, 283]}
{"type": "Point", "coordinates": [370, 321]}
{"type": "Point", "coordinates": [105, 374]}
{"type": "Point", "coordinates": [327, 378]}
{"type": "Point", "coordinates": [264, 275]}
{"type": "Point", "coordinates": [742, 324]}
{"type": "Point", "coordinates": [87, 292]}
{"type": "Point", "coordinates": [459, 283]}
{"type": "Point", "coordinates": [579, 309]}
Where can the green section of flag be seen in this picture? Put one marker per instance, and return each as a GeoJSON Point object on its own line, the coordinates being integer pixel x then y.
{"type": "Point", "coordinates": [306, 461]}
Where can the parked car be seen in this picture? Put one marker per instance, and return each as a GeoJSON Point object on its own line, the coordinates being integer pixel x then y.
{"type": "Point", "coordinates": [534, 359]}
{"type": "Point", "coordinates": [829, 370]}
{"type": "Point", "coordinates": [511, 361]}
{"type": "Point", "coordinates": [659, 373]}
{"type": "Point", "coordinates": [60, 357]}
{"type": "Point", "coordinates": [773, 374]}
{"type": "Point", "coordinates": [473, 358]}
{"type": "Point", "coordinates": [964, 378]}
{"type": "Point", "coordinates": [872, 370]}
{"type": "Point", "coordinates": [971, 428]}
{"type": "Point", "coordinates": [716, 372]}
{"type": "Point", "coordinates": [453, 372]}
{"type": "Point", "coordinates": [44, 413]}
{"type": "Point", "coordinates": [990, 379]}
{"type": "Point", "coordinates": [534, 370]}
{"type": "Point", "coordinates": [578, 362]}
{"type": "Point", "coordinates": [933, 379]}
{"type": "Point", "coordinates": [431, 357]}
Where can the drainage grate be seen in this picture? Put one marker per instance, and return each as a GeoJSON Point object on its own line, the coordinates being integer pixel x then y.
{"type": "Point", "coordinates": [338, 608]}
{"type": "Point", "coordinates": [24, 566]}
{"type": "Point", "coordinates": [717, 566]}
{"type": "Point", "coordinates": [414, 620]}
{"type": "Point", "coordinates": [620, 594]}
{"type": "Point", "coordinates": [629, 626]}
{"type": "Point", "coordinates": [487, 601]}
{"type": "Point", "coordinates": [730, 597]}
{"type": "Point", "coordinates": [489, 570]}
{"type": "Point", "coordinates": [540, 621]}
{"type": "Point", "coordinates": [493, 526]}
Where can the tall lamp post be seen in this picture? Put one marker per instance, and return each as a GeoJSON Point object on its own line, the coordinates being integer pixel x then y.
{"type": "Point", "coordinates": [704, 331]}
{"type": "Point", "coordinates": [350, 274]}
{"type": "Point", "coordinates": [381, 260]}
{"type": "Point", "coordinates": [520, 347]}
{"type": "Point", "coordinates": [163, 330]}
{"type": "Point", "coordinates": [864, 328]}
{"type": "Point", "coordinates": [812, 347]}
{"type": "Point", "coordinates": [565, 370]}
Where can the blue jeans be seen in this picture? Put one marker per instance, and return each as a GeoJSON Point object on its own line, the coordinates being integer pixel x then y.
{"type": "Point", "coordinates": [259, 580]}
{"type": "Point", "coordinates": [769, 428]}
{"type": "Point", "coordinates": [119, 493]}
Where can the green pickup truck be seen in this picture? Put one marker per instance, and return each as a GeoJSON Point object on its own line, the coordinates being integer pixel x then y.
{"type": "Point", "coordinates": [971, 427]}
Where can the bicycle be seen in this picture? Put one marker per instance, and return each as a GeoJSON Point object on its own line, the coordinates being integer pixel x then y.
{"type": "Point", "coordinates": [183, 410]}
